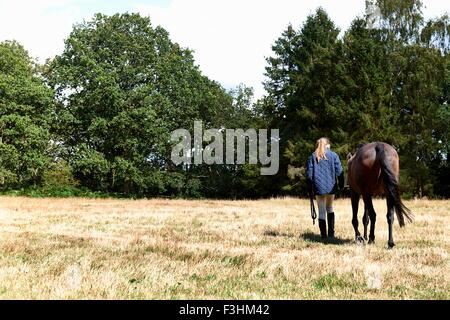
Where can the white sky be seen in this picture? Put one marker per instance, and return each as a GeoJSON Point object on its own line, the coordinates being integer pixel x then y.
{"type": "Point", "coordinates": [230, 38]}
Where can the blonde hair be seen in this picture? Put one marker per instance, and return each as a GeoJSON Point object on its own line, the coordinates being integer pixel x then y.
{"type": "Point", "coordinates": [321, 145]}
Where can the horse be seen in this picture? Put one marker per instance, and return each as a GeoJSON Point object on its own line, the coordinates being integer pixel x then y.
{"type": "Point", "coordinates": [374, 170]}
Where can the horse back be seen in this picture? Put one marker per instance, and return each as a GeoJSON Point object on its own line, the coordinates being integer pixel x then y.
{"type": "Point", "coordinates": [364, 169]}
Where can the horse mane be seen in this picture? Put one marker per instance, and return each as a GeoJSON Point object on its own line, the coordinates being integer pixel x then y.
{"type": "Point", "coordinates": [351, 155]}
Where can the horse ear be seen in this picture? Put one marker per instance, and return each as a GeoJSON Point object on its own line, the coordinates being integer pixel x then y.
{"type": "Point", "coordinates": [349, 156]}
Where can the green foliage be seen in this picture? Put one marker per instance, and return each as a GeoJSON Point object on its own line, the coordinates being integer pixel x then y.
{"type": "Point", "coordinates": [122, 86]}
{"type": "Point", "coordinates": [96, 120]}
{"type": "Point", "coordinates": [59, 175]}
{"type": "Point", "coordinates": [388, 83]}
{"type": "Point", "coordinates": [25, 107]}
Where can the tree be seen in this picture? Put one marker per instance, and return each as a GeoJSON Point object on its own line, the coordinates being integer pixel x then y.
{"type": "Point", "coordinates": [301, 90]}
{"type": "Point", "coordinates": [417, 51]}
{"type": "Point", "coordinates": [122, 86]}
{"type": "Point", "coordinates": [386, 80]}
{"type": "Point", "coordinates": [25, 108]}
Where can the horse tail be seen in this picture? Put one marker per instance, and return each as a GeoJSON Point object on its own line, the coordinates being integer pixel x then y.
{"type": "Point", "coordinates": [392, 186]}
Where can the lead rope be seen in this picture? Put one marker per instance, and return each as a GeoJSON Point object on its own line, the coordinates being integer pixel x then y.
{"type": "Point", "coordinates": [313, 209]}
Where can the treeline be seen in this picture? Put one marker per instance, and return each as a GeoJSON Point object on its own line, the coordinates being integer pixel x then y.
{"type": "Point", "coordinates": [97, 118]}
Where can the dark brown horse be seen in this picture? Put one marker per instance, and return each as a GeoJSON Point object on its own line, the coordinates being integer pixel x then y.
{"type": "Point", "coordinates": [374, 170]}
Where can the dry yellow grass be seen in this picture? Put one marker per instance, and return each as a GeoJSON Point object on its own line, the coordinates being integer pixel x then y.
{"type": "Point", "coordinates": [179, 249]}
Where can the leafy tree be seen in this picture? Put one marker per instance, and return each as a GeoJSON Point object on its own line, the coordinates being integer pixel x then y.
{"type": "Point", "coordinates": [122, 86]}
{"type": "Point", "coordinates": [25, 108]}
{"type": "Point", "coordinates": [417, 89]}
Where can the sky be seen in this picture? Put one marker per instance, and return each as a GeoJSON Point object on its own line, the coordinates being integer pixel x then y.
{"type": "Point", "coordinates": [230, 38]}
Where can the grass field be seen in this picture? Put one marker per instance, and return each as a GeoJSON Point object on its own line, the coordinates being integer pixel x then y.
{"type": "Point", "coordinates": [178, 249]}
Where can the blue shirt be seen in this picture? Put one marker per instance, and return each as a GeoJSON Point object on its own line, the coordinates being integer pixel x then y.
{"type": "Point", "coordinates": [323, 173]}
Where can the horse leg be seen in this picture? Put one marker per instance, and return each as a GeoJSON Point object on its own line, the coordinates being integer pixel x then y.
{"type": "Point", "coordinates": [390, 220]}
{"type": "Point", "coordinates": [373, 218]}
{"type": "Point", "coordinates": [365, 221]}
{"type": "Point", "coordinates": [355, 202]}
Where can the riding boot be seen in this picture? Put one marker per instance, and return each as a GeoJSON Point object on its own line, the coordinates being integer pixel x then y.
{"type": "Point", "coordinates": [323, 228]}
{"type": "Point", "coordinates": [330, 218]}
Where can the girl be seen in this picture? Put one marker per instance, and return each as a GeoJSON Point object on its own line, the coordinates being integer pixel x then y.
{"type": "Point", "coordinates": [322, 168]}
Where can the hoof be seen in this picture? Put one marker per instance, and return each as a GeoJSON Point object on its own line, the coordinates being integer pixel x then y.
{"type": "Point", "coordinates": [360, 240]}
{"type": "Point", "coordinates": [391, 245]}
{"type": "Point", "coordinates": [371, 242]}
